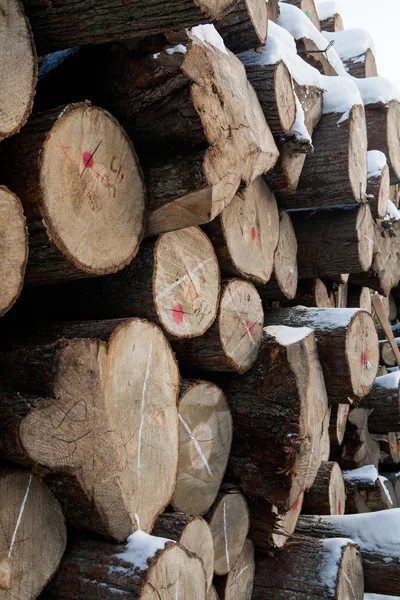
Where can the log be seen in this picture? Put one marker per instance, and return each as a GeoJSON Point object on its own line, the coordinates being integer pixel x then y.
{"type": "Point", "coordinates": [308, 7]}
{"type": "Point", "coordinates": [310, 292]}
{"type": "Point", "coordinates": [312, 54]}
{"type": "Point", "coordinates": [193, 533]}
{"type": "Point", "coordinates": [336, 173]}
{"type": "Point", "coordinates": [59, 158]}
{"type": "Point", "coordinates": [33, 535]}
{"type": "Point", "coordinates": [310, 568]}
{"type": "Point", "coordinates": [334, 240]}
{"type": "Point", "coordinates": [13, 248]}
{"type": "Point", "coordinates": [238, 583]}
{"type": "Point", "coordinates": [384, 401]}
{"type": "Point", "coordinates": [205, 432]}
{"type": "Point", "coordinates": [366, 491]}
{"type": "Point", "coordinates": [19, 68]}
{"type": "Point", "coordinates": [59, 398]}
{"type": "Point", "coordinates": [232, 342]}
{"type": "Point", "coordinates": [394, 194]}
{"type": "Point", "coordinates": [359, 446]}
{"type": "Point", "coordinates": [329, 19]}
{"type": "Point", "coordinates": [389, 446]}
{"type": "Point", "coordinates": [279, 439]}
{"type": "Point", "coordinates": [59, 27]}
{"type": "Point", "coordinates": [146, 567]}
{"type": "Point", "coordinates": [269, 527]}
{"type": "Point", "coordinates": [273, 10]}
{"type": "Point", "coordinates": [382, 125]}
{"type": "Point", "coordinates": [378, 185]}
{"type": "Point", "coordinates": [245, 26]}
{"type": "Point", "coordinates": [229, 523]}
{"type": "Point", "coordinates": [363, 65]}
{"type": "Point", "coordinates": [275, 91]}
{"type": "Point", "coordinates": [359, 297]}
{"type": "Point", "coordinates": [347, 346]}
{"type": "Point", "coordinates": [327, 495]}
{"type": "Point", "coordinates": [284, 282]}
{"type": "Point", "coordinates": [337, 426]}
{"type": "Point", "coordinates": [376, 535]}
{"type": "Point", "coordinates": [245, 235]}
{"type": "Point", "coordinates": [387, 356]}
{"type": "Point", "coordinates": [212, 594]}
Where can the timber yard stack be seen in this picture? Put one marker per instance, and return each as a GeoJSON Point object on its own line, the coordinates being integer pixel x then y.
{"type": "Point", "coordinates": [199, 261]}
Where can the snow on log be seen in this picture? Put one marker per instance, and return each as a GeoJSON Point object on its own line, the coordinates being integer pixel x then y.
{"type": "Point", "coordinates": [347, 346]}
{"type": "Point", "coordinates": [376, 534]}
{"type": "Point", "coordinates": [232, 342]}
{"type": "Point", "coordinates": [334, 240]}
{"type": "Point", "coordinates": [366, 491]}
{"type": "Point", "coordinates": [64, 388]}
{"type": "Point", "coordinates": [77, 176]}
{"type": "Point", "coordinates": [33, 535]}
{"type": "Point", "coordinates": [269, 527]}
{"type": "Point", "coordinates": [329, 16]}
{"type": "Point", "coordinates": [314, 568]}
{"type": "Point", "coordinates": [19, 68]}
{"type": "Point", "coordinates": [327, 495]}
{"type": "Point", "coordinates": [144, 568]}
{"type": "Point", "coordinates": [309, 8]}
{"type": "Point", "coordinates": [356, 49]}
{"type": "Point", "coordinates": [205, 432]}
{"type": "Point", "coordinates": [245, 235]}
{"type": "Point", "coordinates": [384, 401]}
{"type": "Point", "coordinates": [13, 248]}
{"type": "Point", "coordinates": [193, 533]}
{"type": "Point", "coordinates": [279, 439]}
{"type": "Point", "coordinates": [238, 583]}
{"type": "Point", "coordinates": [229, 522]}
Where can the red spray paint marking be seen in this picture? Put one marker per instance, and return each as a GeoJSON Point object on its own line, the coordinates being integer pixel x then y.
{"type": "Point", "coordinates": [339, 508]}
{"type": "Point", "coordinates": [253, 232]}
{"type": "Point", "coordinates": [363, 358]}
{"type": "Point", "coordinates": [177, 313]}
{"type": "Point", "coordinates": [296, 504]}
{"type": "Point", "coordinates": [249, 327]}
{"type": "Point", "coordinates": [87, 159]}
{"type": "Point", "coordinates": [393, 447]}
{"type": "Point", "coordinates": [290, 279]}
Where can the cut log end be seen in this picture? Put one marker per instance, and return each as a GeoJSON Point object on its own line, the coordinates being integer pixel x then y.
{"type": "Point", "coordinates": [285, 97]}
{"type": "Point", "coordinates": [358, 144]}
{"type": "Point", "coordinates": [285, 260]}
{"type": "Point", "coordinates": [350, 582]}
{"type": "Point", "coordinates": [365, 233]}
{"type": "Point", "coordinates": [186, 282]}
{"type": "Point", "coordinates": [33, 535]}
{"type": "Point", "coordinates": [393, 137]}
{"type": "Point", "coordinates": [286, 522]}
{"type": "Point", "coordinates": [19, 68]}
{"type": "Point", "coordinates": [93, 198]}
{"type": "Point", "coordinates": [205, 441]}
{"type": "Point", "coordinates": [238, 583]}
{"type": "Point", "coordinates": [258, 13]}
{"type": "Point", "coordinates": [327, 496]}
{"type": "Point", "coordinates": [13, 249]}
{"type": "Point", "coordinates": [362, 352]}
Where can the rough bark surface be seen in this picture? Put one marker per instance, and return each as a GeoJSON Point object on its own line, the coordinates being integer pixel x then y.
{"type": "Point", "coordinates": [363, 65]}
{"type": "Point", "coordinates": [327, 495]}
{"type": "Point", "coordinates": [383, 126]}
{"type": "Point", "coordinates": [384, 401]}
{"type": "Point", "coordinates": [269, 527]}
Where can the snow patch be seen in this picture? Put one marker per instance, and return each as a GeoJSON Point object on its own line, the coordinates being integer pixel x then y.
{"type": "Point", "coordinates": [327, 9]}
{"type": "Point", "coordinates": [325, 318]}
{"type": "Point", "coordinates": [287, 335]}
{"type": "Point", "coordinates": [377, 89]}
{"type": "Point", "coordinates": [333, 549]}
{"type": "Point", "coordinates": [376, 163]}
{"type": "Point", "coordinates": [140, 548]}
{"type": "Point", "coordinates": [393, 213]}
{"type": "Point", "coordinates": [380, 597]}
{"type": "Point", "coordinates": [367, 474]}
{"type": "Point", "coordinates": [382, 480]}
{"type": "Point", "coordinates": [350, 43]}
{"type": "Point", "coordinates": [179, 49]}
{"type": "Point", "coordinates": [299, 129]}
{"type": "Point", "coordinates": [208, 34]}
{"type": "Point", "coordinates": [390, 381]}
{"type": "Point", "coordinates": [340, 97]}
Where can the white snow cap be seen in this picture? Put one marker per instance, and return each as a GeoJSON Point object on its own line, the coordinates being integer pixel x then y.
{"type": "Point", "coordinates": [333, 549]}
{"type": "Point", "coordinates": [390, 381]}
{"type": "Point", "coordinates": [376, 163]}
{"type": "Point", "coordinates": [373, 532]}
{"type": "Point", "coordinates": [141, 547]}
{"type": "Point", "coordinates": [340, 97]}
{"type": "Point", "coordinates": [380, 597]}
{"type": "Point", "coordinates": [208, 34]}
{"type": "Point", "coordinates": [393, 214]}
{"type": "Point", "coordinates": [299, 25]}
{"type": "Point", "coordinates": [287, 335]}
{"type": "Point", "coordinates": [367, 474]}
{"type": "Point", "coordinates": [351, 42]}
{"type": "Point", "coordinates": [377, 89]}
{"type": "Point", "coordinates": [327, 9]}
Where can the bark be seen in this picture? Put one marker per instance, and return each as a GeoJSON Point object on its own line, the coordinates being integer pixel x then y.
{"type": "Point", "coordinates": [59, 398]}
{"type": "Point", "coordinates": [245, 235]}
{"type": "Point", "coordinates": [245, 27]}
{"type": "Point", "coordinates": [269, 527]}
{"type": "Point", "coordinates": [232, 342]}
{"type": "Point", "coordinates": [378, 193]}
{"type": "Point", "coordinates": [366, 495]}
{"type": "Point", "coordinates": [300, 571]}
{"type": "Point", "coordinates": [238, 583]}
{"type": "Point", "coordinates": [19, 69]}
{"type": "Point", "coordinates": [327, 495]}
{"type": "Point", "coordinates": [205, 430]}
{"type": "Point", "coordinates": [311, 53]}
{"type": "Point", "coordinates": [347, 346]}
{"type": "Point", "coordinates": [45, 166]}
{"type": "Point", "coordinates": [13, 249]}
{"type": "Point", "coordinates": [363, 65]}
{"type": "Point", "coordinates": [382, 126]}
{"type": "Point", "coordinates": [384, 401]}
{"type": "Point", "coordinates": [274, 87]}
{"type": "Point", "coordinates": [98, 570]}
{"type": "Point", "coordinates": [381, 576]}
{"type": "Point", "coordinates": [359, 448]}
{"type": "Point", "coordinates": [359, 297]}
{"type": "Point", "coordinates": [336, 173]}
{"type": "Point", "coordinates": [61, 26]}
{"type": "Point", "coordinates": [229, 522]}
{"type": "Point", "coordinates": [279, 438]}
{"type": "Point", "coordinates": [389, 450]}
{"type": "Point", "coordinates": [193, 533]}
{"type": "Point", "coordinates": [332, 24]}
{"type": "Point", "coordinates": [334, 240]}
{"type": "Point", "coordinates": [33, 535]}
{"type": "Point", "coordinates": [310, 292]}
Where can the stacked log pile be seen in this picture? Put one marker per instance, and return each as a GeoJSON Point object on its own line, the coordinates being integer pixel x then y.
{"type": "Point", "coordinates": [199, 257]}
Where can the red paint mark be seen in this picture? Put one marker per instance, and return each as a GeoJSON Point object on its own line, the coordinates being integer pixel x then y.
{"type": "Point", "coordinates": [290, 279]}
{"type": "Point", "coordinates": [393, 447]}
{"type": "Point", "coordinates": [253, 232]}
{"type": "Point", "coordinates": [339, 508]}
{"type": "Point", "coordinates": [249, 327]}
{"type": "Point", "coordinates": [177, 313]}
{"type": "Point", "coordinates": [363, 358]}
{"type": "Point", "coordinates": [64, 150]}
{"type": "Point", "coordinates": [296, 504]}
{"type": "Point", "coordinates": [87, 159]}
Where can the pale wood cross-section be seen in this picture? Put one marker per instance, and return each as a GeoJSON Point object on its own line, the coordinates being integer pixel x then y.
{"type": "Point", "coordinates": [238, 583]}
{"type": "Point", "coordinates": [327, 495]}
